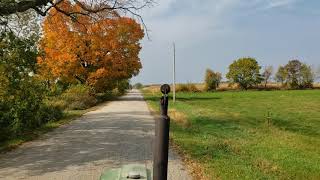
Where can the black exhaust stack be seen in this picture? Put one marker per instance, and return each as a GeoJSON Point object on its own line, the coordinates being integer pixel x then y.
{"type": "Point", "coordinates": [161, 149]}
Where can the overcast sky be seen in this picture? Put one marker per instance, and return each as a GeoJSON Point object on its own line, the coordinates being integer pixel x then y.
{"type": "Point", "coordinates": [213, 33]}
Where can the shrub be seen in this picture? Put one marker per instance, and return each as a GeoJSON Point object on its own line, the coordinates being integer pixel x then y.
{"type": "Point", "coordinates": [295, 75]}
{"type": "Point", "coordinates": [77, 97]}
{"type": "Point", "coordinates": [189, 87]}
{"type": "Point", "coordinates": [50, 113]}
{"type": "Point", "coordinates": [21, 94]}
{"type": "Point", "coordinates": [212, 80]}
{"type": "Point", "coordinates": [123, 85]}
{"type": "Point", "coordinates": [108, 95]}
{"type": "Point", "coordinates": [57, 88]}
{"type": "Point", "coordinates": [138, 86]}
{"type": "Point", "coordinates": [23, 109]}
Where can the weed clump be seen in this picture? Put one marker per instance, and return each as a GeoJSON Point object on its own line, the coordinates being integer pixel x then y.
{"type": "Point", "coordinates": [189, 87]}
{"type": "Point", "coordinates": [76, 97]}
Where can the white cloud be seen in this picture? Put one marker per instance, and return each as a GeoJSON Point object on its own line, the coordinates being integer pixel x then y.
{"type": "Point", "coordinates": [188, 19]}
{"type": "Point", "coordinates": [279, 3]}
{"type": "Point", "coordinates": [183, 19]}
{"type": "Point", "coordinates": [204, 31]}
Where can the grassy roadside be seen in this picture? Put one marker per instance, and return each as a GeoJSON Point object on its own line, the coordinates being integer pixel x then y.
{"type": "Point", "coordinates": [38, 132]}
{"type": "Point", "coordinates": [68, 116]}
{"type": "Point", "coordinates": [229, 135]}
{"type": "Point", "coordinates": [62, 108]}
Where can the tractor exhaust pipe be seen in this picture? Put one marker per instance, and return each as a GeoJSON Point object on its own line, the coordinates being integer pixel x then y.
{"type": "Point", "coordinates": [161, 148]}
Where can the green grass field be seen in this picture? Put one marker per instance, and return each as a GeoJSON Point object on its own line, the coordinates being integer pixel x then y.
{"type": "Point", "coordinates": [229, 135]}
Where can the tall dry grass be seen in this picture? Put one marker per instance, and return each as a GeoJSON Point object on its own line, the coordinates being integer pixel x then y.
{"type": "Point", "coordinates": [224, 86]}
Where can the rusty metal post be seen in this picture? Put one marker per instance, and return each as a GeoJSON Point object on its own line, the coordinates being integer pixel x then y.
{"type": "Point", "coordinates": [160, 161]}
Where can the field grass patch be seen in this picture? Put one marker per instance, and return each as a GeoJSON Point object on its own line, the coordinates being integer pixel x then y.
{"type": "Point", "coordinates": [248, 135]}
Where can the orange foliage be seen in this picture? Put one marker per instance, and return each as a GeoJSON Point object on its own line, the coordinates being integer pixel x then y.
{"type": "Point", "coordinates": [96, 51]}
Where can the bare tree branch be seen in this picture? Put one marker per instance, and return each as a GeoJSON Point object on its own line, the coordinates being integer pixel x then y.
{"type": "Point", "coordinates": [88, 8]}
{"type": "Point", "coordinates": [8, 7]}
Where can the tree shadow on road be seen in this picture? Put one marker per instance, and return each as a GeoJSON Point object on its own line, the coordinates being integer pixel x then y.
{"type": "Point", "coordinates": [96, 139]}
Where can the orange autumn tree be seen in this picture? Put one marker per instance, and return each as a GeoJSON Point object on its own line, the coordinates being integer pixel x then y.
{"type": "Point", "coordinates": [97, 51]}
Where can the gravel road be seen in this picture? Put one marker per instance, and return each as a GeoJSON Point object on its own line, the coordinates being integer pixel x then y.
{"type": "Point", "coordinates": [120, 132]}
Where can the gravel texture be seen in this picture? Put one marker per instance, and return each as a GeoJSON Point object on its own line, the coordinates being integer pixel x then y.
{"type": "Point", "coordinates": [121, 132]}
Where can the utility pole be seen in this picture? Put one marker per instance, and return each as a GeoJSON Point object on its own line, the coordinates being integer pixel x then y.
{"type": "Point", "coordinates": [174, 73]}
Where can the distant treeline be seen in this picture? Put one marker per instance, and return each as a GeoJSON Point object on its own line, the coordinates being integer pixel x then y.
{"type": "Point", "coordinates": [246, 73]}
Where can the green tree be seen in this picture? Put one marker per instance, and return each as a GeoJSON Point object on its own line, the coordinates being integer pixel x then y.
{"type": "Point", "coordinates": [21, 94]}
{"type": "Point", "coordinates": [245, 72]}
{"type": "Point", "coordinates": [267, 73]}
{"type": "Point", "coordinates": [293, 68]}
{"type": "Point", "coordinates": [317, 73]}
{"type": "Point", "coordinates": [212, 80]}
{"type": "Point", "coordinates": [17, 61]}
{"type": "Point", "coordinates": [296, 75]}
{"type": "Point", "coordinates": [281, 75]}
{"type": "Point", "coordinates": [307, 77]}
{"type": "Point", "coordinates": [299, 75]}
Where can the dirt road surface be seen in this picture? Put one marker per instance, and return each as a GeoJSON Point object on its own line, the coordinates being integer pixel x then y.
{"type": "Point", "coordinates": [120, 132]}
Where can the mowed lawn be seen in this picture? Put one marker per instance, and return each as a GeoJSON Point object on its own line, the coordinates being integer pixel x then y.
{"type": "Point", "coordinates": [229, 135]}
